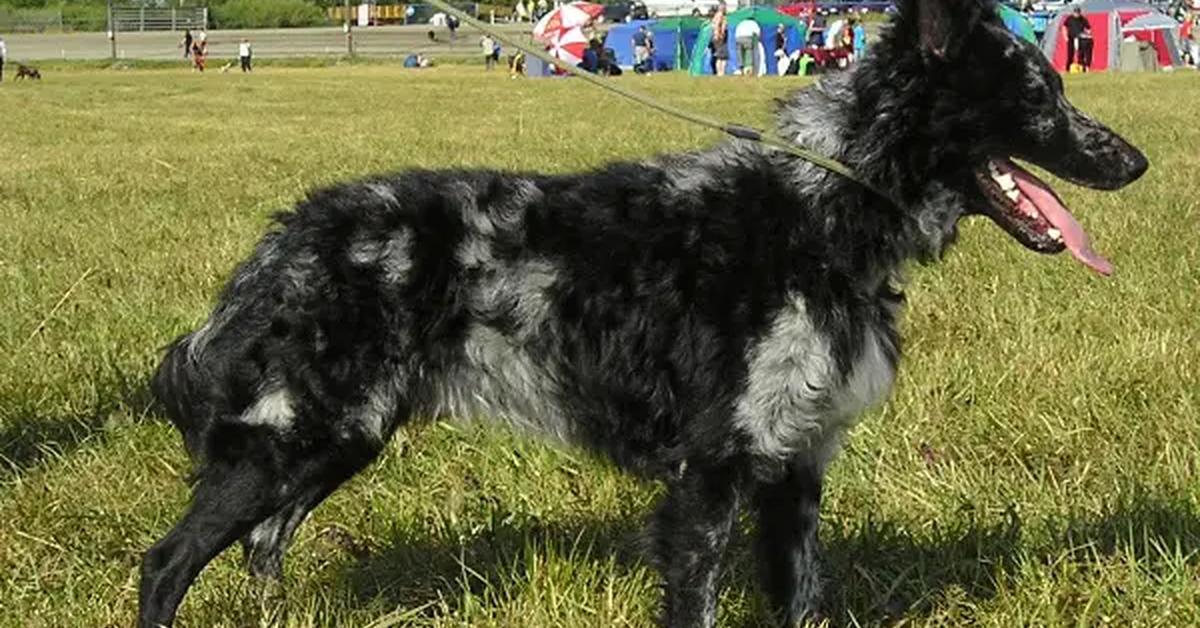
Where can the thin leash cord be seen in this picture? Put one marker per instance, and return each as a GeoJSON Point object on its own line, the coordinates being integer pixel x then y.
{"type": "Point", "coordinates": [735, 130]}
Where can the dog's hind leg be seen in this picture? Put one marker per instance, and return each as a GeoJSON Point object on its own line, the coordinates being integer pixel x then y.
{"type": "Point", "coordinates": [690, 530]}
{"type": "Point", "coordinates": [787, 511]}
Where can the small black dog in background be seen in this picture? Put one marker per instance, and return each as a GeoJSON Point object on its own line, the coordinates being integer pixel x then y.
{"type": "Point", "coordinates": [24, 71]}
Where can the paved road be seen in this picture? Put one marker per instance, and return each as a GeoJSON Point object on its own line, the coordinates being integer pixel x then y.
{"type": "Point", "coordinates": [268, 43]}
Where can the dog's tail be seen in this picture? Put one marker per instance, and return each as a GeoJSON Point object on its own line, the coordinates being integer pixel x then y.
{"type": "Point", "coordinates": [180, 387]}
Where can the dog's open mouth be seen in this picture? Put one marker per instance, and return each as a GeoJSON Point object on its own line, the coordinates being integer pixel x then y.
{"type": "Point", "coordinates": [1033, 214]}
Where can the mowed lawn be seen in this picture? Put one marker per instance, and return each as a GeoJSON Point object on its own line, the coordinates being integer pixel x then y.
{"type": "Point", "coordinates": [1037, 464]}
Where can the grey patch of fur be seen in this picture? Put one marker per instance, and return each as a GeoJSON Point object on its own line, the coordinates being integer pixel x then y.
{"type": "Point", "coordinates": [692, 173]}
{"type": "Point", "coordinates": [397, 256]}
{"type": "Point", "coordinates": [273, 409]}
{"type": "Point", "coordinates": [482, 225]}
{"type": "Point", "coordinates": [392, 255]}
{"type": "Point", "coordinates": [384, 192]}
{"type": "Point", "coordinates": [500, 378]}
{"type": "Point", "coordinates": [795, 400]}
{"type": "Point", "coordinates": [518, 290]}
{"type": "Point", "coordinates": [828, 101]}
{"type": "Point", "coordinates": [364, 251]}
{"type": "Point", "coordinates": [299, 271]}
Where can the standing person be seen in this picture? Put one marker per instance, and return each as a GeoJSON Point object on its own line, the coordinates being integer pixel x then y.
{"type": "Point", "coordinates": [1191, 35]}
{"type": "Point", "coordinates": [187, 43]}
{"type": "Point", "coordinates": [781, 49]}
{"type": "Point", "coordinates": [1074, 25]}
{"type": "Point", "coordinates": [199, 54]}
{"type": "Point", "coordinates": [1085, 48]}
{"type": "Point", "coordinates": [860, 39]}
{"type": "Point", "coordinates": [3, 57]}
{"type": "Point", "coordinates": [643, 50]}
{"type": "Point", "coordinates": [244, 53]}
{"type": "Point", "coordinates": [720, 40]}
{"type": "Point", "coordinates": [488, 46]}
{"type": "Point", "coordinates": [747, 34]}
{"type": "Point", "coordinates": [452, 24]}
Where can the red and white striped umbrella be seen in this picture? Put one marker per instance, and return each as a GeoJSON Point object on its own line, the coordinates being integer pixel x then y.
{"type": "Point", "coordinates": [568, 45]}
{"type": "Point", "coordinates": [576, 14]}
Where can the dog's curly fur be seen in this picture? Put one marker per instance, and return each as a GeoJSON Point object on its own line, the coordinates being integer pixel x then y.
{"type": "Point", "coordinates": [716, 319]}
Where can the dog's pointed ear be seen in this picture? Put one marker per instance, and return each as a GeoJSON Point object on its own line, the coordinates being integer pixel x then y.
{"type": "Point", "coordinates": [942, 26]}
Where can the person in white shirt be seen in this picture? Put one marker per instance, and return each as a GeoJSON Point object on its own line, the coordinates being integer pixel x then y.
{"type": "Point", "coordinates": [747, 34]}
{"type": "Point", "coordinates": [3, 57]}
{"type": "Point", "coordinates": [244, 54]}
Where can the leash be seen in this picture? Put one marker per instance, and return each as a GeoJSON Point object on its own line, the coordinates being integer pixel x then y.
{"type": "Point", "coordinates": [739, 131]}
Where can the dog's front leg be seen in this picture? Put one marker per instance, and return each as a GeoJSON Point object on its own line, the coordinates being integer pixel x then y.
{"type": "Point", "coordinates": [691, 527]}
{"type": "Point", "coordinates": [787, 512]}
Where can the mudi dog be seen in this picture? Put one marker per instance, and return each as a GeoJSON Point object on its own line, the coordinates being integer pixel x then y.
{"type": "Point", "coordinates": [714, 319]}
{"type": "Point", "coordinates": [27, 72]}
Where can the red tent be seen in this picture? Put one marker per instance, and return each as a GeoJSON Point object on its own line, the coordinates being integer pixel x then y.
{"type": "Point", "coordinates": [1111, 21]}
{"type": "Point", "coordinates": [799, 10]}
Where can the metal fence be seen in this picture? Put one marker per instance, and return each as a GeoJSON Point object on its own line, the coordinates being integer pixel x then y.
{"type": "Point", "coordinates": [140, 19]}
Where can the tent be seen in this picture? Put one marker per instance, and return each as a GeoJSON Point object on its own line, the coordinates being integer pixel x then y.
{"type": "Point", "coordinates": [768, 20]}
{"type": "Point", "coordinates": [1113, 21]}
{"type": "Point", "coordinates": [620, 39]}
{"type": "Point", "coordinates": [674, 40]}
{"type": "Point", "coordinates": [1016, 23]}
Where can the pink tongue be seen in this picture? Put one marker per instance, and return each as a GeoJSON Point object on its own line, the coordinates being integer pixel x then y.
{"type": "Point", "coordinates": [1053, 211]}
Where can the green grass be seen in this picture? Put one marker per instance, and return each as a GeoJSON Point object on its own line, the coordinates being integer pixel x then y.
{"type": "Point", "coordinates": [1035, 466]}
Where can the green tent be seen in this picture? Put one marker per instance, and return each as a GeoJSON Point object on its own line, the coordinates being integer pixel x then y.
{"type": "Point", "coordinates": [768, 19]}
{"type": "Point", "coordinates": [674, 38]}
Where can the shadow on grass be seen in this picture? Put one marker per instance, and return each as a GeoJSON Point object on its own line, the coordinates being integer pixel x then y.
{"type": "Point", "coordinates": [411, 573]}
{"type": "Point", "coordinates": [877, 573]}
{"type": "Point", "coordinates": [29, 440]}
{"type": "Point", "coordinates": [886, 574]}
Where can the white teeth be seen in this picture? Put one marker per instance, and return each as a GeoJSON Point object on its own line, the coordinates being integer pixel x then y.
{"type": "Point", "coordinates": [1013, 194]}
{"type": "Point", "coordinates": [1054, 234]}
{"type": "Point", "coordinates": [1006, 182]}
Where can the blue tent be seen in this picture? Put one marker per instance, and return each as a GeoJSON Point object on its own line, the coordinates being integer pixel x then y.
{"type": "Point", "coordinates": [620, 39]}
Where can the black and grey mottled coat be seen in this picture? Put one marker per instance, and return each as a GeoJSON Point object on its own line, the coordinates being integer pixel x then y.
{"type": "Point", "coordinates": [716, 319]}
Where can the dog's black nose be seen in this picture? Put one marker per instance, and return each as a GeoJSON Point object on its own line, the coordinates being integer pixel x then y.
{"type": "Point", "coordinates": [1137, 166]}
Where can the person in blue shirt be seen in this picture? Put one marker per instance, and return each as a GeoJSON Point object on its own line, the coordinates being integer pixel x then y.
{"type": "Point", "coordinates": [859, 38]}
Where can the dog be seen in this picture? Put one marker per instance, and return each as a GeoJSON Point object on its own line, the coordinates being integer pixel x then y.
{"type": "Point", "coordinates": [24, 72]}
{"type": "Point", "coordinates": [714, 319]}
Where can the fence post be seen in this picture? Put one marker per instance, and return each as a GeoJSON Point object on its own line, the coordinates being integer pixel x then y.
{"type": "Point", "coordinates": [112, 31]}
{"type": "Point", "coordinates": [349, 33]}
{"type": "Point", "coordinates": [142, 19]}
{"type": "Point", "coordinates": [173, 28]}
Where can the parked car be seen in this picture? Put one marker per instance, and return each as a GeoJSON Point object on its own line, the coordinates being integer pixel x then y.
{"type": "Point", "coordinates": [625, 12]}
